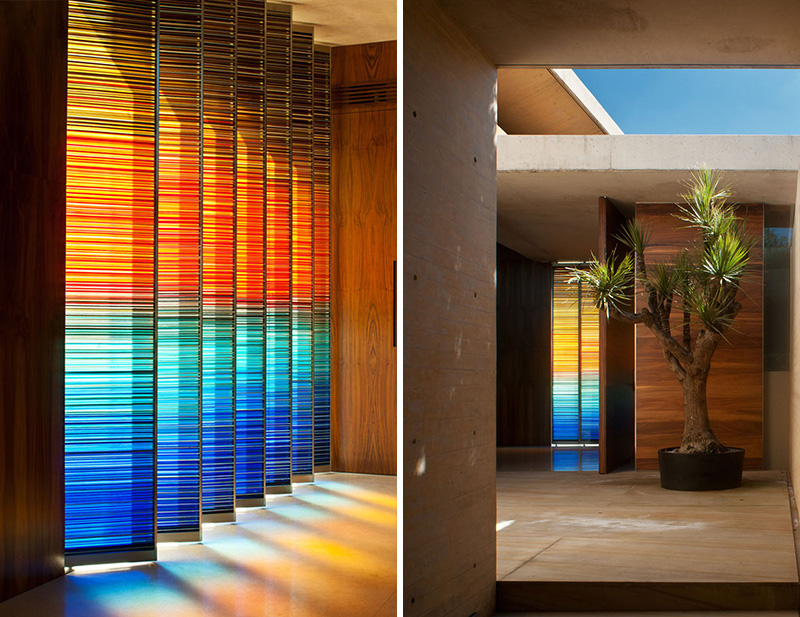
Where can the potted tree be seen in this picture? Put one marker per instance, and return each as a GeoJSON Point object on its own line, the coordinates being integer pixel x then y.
{"type": "Point", "coordinates": [702, 282]}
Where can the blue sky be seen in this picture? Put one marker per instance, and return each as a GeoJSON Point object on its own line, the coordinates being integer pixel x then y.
{"type": "Point", "coordinates": [699, 101]}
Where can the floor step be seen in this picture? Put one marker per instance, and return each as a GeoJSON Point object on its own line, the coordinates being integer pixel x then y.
{"type": "Point", "coordinates": [520, 596]}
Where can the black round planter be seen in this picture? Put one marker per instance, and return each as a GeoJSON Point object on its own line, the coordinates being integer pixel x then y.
{"type": "Point", "coordinates": [700, 472]}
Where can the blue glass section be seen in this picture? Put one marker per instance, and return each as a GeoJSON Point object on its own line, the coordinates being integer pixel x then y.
{"type": "Point", "coordinates": [178, 417]}
{"type": "Point", "coordinates": [322, 391]}
{"type": "Point", "coordinates": [108, 450]}
{"type": "Point", "coordinates": [218, 415]}
{"type": "Point", "coordinates": [278, 431]}
{"type": "Point", "coordinates": [565, 408]}
{"type": "Point", "coordinates": [302, 395]}
{"type": "Point", "coordinates": [590, 408]}
{"type": "Point", "coordinates": [250, 402]}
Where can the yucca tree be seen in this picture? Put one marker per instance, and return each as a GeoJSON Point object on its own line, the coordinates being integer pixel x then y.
{"type": "Point", "coordinates": [702, 282]}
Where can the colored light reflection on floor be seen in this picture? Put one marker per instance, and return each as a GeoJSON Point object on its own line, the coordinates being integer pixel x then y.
{"type": "Point", "coordinates": [576, 459]}
{"type": "Point", "coordinates": [275, 561]}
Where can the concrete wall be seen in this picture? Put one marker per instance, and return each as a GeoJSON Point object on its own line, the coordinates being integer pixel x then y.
{"type": "Point", "coordinates": [524, 341]}
{"type": "Point", "coordinates": [449, 314]}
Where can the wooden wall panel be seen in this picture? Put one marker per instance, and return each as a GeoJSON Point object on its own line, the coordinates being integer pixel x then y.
{"type": "Point", "coordinates": [33, 109]}
{"type": "Point", "coordinates": [617, 362]}
{"type": "Point", "coordinates": [364, 248]}
{"type": "Point", "coordinates": [524, 342]}
{"type": "Point", "coordinates": [735, 384]}
{"type": "Point", "coordinates": [449, 325]}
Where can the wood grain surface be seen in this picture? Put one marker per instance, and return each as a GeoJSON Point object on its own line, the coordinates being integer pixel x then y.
{"type": "Point", "coordinates": [524, 341]}
{"type": "Point", "coordinates": [735, 384]}
{"type": "Point", "coordinates": [33, 116]}
{"type": "Point", "coordinates": [363, 222]}
{"type": "Point", "coordinates": [617, 401]}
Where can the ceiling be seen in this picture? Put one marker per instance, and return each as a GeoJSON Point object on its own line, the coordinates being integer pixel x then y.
{"type": "Point", "coordinates": [576, 33]}
{"type": "Point", "coordinates": [348, 22]}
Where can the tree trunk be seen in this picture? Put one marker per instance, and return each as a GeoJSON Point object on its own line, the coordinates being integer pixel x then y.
{"type": "Point", "coordinates": [697, 433]}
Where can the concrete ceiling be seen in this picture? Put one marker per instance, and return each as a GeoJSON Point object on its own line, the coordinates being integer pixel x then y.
{"type": "Point", "coordinates": [348, 22]}
{"type": "Point", "coordinates": [577, 33]}
{"type": "Point", "coordinates": [531, 101]}
{"type": "Point", "coordinates": [548, 210]}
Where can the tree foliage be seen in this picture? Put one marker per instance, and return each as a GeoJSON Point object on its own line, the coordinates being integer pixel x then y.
{"type": "Point", "coordinates": [703, 280]}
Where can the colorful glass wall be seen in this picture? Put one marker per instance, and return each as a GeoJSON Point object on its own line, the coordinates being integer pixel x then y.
{"type": "Point", "coordinates": [198, 265]}
{"type": "Point", "coordinates": [250, 256]}
{"type": "Point", "coordinates": [576, 361]}
{"type": "Point", "coordinates": [218, 257]}
{"type": "Point", "coordinates": [109, 450]}
{"type": "Point", "coordinates": [179, 147]}
{"type": "Point", "coordinates": [322, 260]}
{"type": "Point", "coordinates": [302, 255]}
{"type": "Point", "coordinates": [278, 248]}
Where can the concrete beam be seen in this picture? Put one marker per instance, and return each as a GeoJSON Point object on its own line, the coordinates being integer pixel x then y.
{"type": "Point", "coordinates": [548, 186]}
{"type": "Point", "coordinates": [647, 152]}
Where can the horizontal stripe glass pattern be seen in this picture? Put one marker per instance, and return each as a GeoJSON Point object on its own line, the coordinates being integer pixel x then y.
{"type": "Point", "coordinates": [218, 277]}
{"type": "Point", "coordinates": [198, 265]}
{"type": "Point", "coordinates": [590, 368]}
{"type": "Point", "coordinates": [278, 247]}
{"type": "Point", "coordinates": [322, 259]}
{"type": "Point", "coordinates": [576, 381]}
{"type": "Point", "coordinates": [179, 267]}
{"type": "Point", "coordinates": [250, 250]}
{"type": "Point", "coordinates": [302, 255]}
{"type": "Point", "coordinates": [109, 381]}
{"type": "Point", "coordinates": [566, 350]}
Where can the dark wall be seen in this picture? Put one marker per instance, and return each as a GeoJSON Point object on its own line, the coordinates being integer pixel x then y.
{"type": "Point", "coordinates": [33, 116]}
{"type": "Point", "coordinates": [364, 248]}
{"type": "Point", "coordinates": [524, 348]}
{"type": "Point", "coordinates": [617, 361]}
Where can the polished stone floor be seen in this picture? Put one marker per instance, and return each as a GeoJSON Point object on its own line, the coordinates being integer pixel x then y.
{"type": "Point", "coordinates": [328, 550]}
